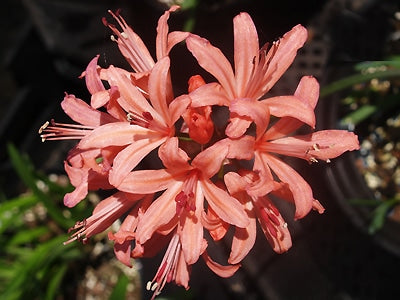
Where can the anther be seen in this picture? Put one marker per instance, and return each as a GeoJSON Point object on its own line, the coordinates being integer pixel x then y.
{"type": "Point", "coordinates": [43, 127]}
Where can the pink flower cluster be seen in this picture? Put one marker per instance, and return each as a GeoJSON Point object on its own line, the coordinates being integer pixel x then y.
{"type": "Point", "coordinates": [213, 176]}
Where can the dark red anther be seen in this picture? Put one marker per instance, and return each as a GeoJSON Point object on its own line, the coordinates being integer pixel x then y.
{"type": "Point", "coordinates": [104, 20]}
{"type": "Point", "coordinates": [274, 219]}
{"type": "Point", "coordinates": [272, 229]}
{"type": "Point", "coordinates": [147, 115]}
{"type": "Point", "coordinates": [274, 209]}
{"type": "Point", "coordinates": [118, 12]}
{"type": "Point", "coordinates": [181, 197]}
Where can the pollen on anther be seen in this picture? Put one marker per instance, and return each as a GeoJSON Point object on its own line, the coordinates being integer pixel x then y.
{"type": "Point", "coordinates": [43, 127]}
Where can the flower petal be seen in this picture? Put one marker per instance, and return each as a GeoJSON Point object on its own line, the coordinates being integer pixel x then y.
{"type": "Point", "coordinates": [243, 240]}
{"type": "Point", "coordinates": [84, 114]}
{"type": "Point", "coordinates": [148, 181]}
{"type": "Point", "coordinates": [209, 94]}
{"type": "Point", "coordinates": [254, 109]}
{"type": "Point", "coordinates": [290, 106]}
{"type": "Point", "coordinates": [92, 77]}
{"type": "Point", "coordinates": [325, 144]}
{"type": "Point", "coordinates": [283, 56]}
{"type": "Point", "coordinates": [117, 134]}
{"type": "Point", "coordinates": [160, 89]}
{"type": "Point", "coordinates": [131, 99]}
{"type": "Point", "coordinates": [210, 160]}
{"type": "Point", "coordinates": [177, 107]}
{"type": "Point", "coordinates": [213, 61]}
{"type": "Point", "coordinates": [162, 33]}
{"type": "Point", "coordinates": [301, 190]}
{"type": "Point", "coordinates": [246, 49]}
{"type": "Point", "coordinates": [131, 156]}
{"type": "Point", "coordinates": [160, 212]}
{"type": "Point", "coordinates": [308, 92]}
{"type": "Point", "coordinates": [173, 157]}
{"type": "Point", "coordinates": [273, 225]}
{"type": "Point", "coordinates": [224, 205]}
{"type": "Point", "coordinates": [192, 230]}
{"type": "Point", "coordinates": [220, 270]}
{"type": "Point", "coordinates": [237, 125]}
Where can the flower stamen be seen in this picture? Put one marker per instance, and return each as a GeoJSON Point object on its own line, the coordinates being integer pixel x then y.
{"type": "Point", "coordinates": [60, 131]}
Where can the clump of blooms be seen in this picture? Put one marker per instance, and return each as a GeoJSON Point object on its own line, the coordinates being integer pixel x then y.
{"type": "Point", "coordinates": [212, 176]}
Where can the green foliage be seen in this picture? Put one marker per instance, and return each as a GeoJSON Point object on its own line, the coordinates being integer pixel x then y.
{"type": "Point", "coordinates": [369, 105]}
{"type": "Point", "coordinates": [34, 261]}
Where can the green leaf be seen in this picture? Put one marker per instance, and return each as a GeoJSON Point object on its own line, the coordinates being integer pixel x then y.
{"type": "Point", "coordinates": [377, 64]}
{"type": "Point", "coordinates": [119, 291]}
{"type": "Point", "coordinates": [358, 115]}
{"type": "Point", "coordinates": [380, 213]}
{"type": "Point", "coordinates": [11, 211]}
{"type": "Point", "coordinates": [25, 171]}
{"type": "Point", "coordinates": [55, 282]}
{"type": "Point", "coordinates": [48, 253]}
{"type": "Point", "coordinates": [29, 235]}
{"type": "Point", "coordinates": [355, 79]}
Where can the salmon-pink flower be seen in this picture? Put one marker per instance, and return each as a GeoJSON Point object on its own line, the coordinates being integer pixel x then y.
{"type": "Point", "coordinates": [172, 268]}
{"type": "Point", "coordinates": [258, 208]}
{"type": "Point", "coordinates": [321, 145]}
{"type": "Point", "coordinates": [256, 71]}
{"type": "Point", "coordinates": [135, 51]}
{"type": "Point", "coordinates": [186, 186]}
{"type": "Point", "coordinates": [104, 215]}
{"type": "Point", "coordinates": [86, 169]}
{"type": "Point", "coordinates": [150, 122]}
{"type": "Point", "coordinates": [221, 176]}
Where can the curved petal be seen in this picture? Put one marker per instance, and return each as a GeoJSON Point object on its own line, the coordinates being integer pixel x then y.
{"type": "Point", "coordinates": [92, 77]}
{"type": "Point", "coordinates": [191, 235]}
{"type": "Point", "coordinates": [220, 270]}
{"type": "Point", "coordinates": [160, 212]}
{"type": "Point", "coordinates": [243, 240]}
{"type": "Point", "coordinates": [283, 53]}
{"type": "Point", "coordinates": [160, 88]}
{"type": "Point", "coordinates": [76, 196]}
{"type": "Point", "coordinates": [176, 37]}
{"type": "Point", "coordinates": [84, 114]}
{"type": "Point", "coordinates": [209, 94]}
{"type": "Point", "coordinates": [290, 106]}
{"type": "Point", "coordinates": [213, 61]}
{"type": "Point", "coordinates": [237, 125]}
{"type": "Point", "coordinates": [308, 92]}
{"type": "Point", "coordinates": [254, 109]}
{"type": "Point", "coordinates": [246, 48]}
{"type": "Point", "coordinates": [273, 225]}
{"type": "Point", "coordinates": [173, 157]}
{"type": "Point", "coordinates": [325, 144]}
{"type": "Point", "coordinates": [115, 134]}
{"type": "Point", "coordinates": [162, 33]}
{"type": "Point", "coordinates": [210, 160]}
{"type": "Point", "coordinates": [148, 181]}
{"type": "Point", "coordinates": [130, 157]}
{"type": "Point", "coordinates": [177, 107]}
{"type": "Point", "coordinates": [182, 274]}
{"type": "Point", "coordinates": [99, 99]}
{"type": "Point", "coordinates": [301, 190]}
{"type": "Point", "coordinates": [225, 206]}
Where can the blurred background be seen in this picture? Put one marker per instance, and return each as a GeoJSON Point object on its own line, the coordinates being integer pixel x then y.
{"type": "Point", "coordinates": [352, 251]}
